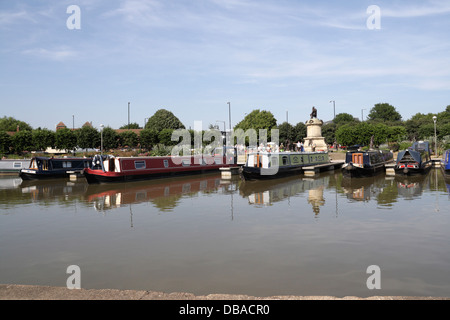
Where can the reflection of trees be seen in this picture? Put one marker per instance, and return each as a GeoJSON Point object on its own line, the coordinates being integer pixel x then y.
{"type": "Point", "coordinates": [41, 192]}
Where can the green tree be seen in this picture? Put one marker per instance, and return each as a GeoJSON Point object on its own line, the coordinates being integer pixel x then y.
{"type": "Point", "coordinates": [299, 132]}
{"type": "Point", "coordinates": [133, 125]}
{"type": "Point", "coordinates": [329, 132]}
{"type": "Point", "coordinates": [128, 139]}
{"type": "Point", "coordinates": [43, 139]}
{"type": "Point", "coordinates": [343, 118]}
{"type": "Point", "coordinates": [384, 112]}
{"type": "Point", "coordinates": [286, 133]}
{"type": "Point", "coordinates": [5, 142]}
{"type": "Point", "coordinates": [346, 135]}
{"type": "Point", "coordinates": [65, 139]}
{"type": "Point", "coordinates": [22, 141]}
{"type": "Point", "coordinates": [11, 124]}
{"type": "Point", "coordinates": [149, 138]}
{"type": "Point", "coordinates": [88, 137]}
{"type": "Point", "coordinates": [165, 137]}
{"type": "Point", "coordinates": [163, 119]}
{"type": "Point", "coordinates": [110, 138]}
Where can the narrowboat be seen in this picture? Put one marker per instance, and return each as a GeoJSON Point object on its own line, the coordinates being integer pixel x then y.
{"type": "Point", "coordinates": [50, 168]}
{"type": "Point", "coordinates": [107, 168]}
{"type": "Point", "coordinates": [445, 164]}
{"type": "Point", "coordinates": [270, 165]}
{"type": "Point", "coordinates": [13, 165]}
{"type": "Point", "coordinates": [365, 163]}
{"type": "Point", "coordinates": [415, 160]}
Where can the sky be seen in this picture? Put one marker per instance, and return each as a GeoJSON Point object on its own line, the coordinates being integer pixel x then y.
{"type": "Point", "coordinates": [192, 57]}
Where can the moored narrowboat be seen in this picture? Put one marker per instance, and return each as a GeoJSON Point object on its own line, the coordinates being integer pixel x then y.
{"type": "Point", "coordinates": [50, 168]}
{"type": "Point", "coordinates": [268, 165]}
{"type": "Point", "coordinates": [415, 160]}
{"type": "Point", "coordinates": [365, 163]}
{"type": "Point", "coordinates": [13, 165]}
{"type": "Point", "coordinates": [106, 168]}
{"type": "Point", "coordinates": [445, 164]}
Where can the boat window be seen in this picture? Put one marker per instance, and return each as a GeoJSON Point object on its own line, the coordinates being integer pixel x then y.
{"type": "Point", "coordinates": [166, 163]}
{"type": "Point", "coordinates": [67, 164]}
{"type": "Point", "coordinates": [139, 164]}
{"type": "Point", "coordinates": [357, 158]}
{"type": "Point", "coordinates": [17, 165]}
{"type": "Point", "coordinates": [285, 160]}
{"type": "Point", "coordinates": [186, 162]}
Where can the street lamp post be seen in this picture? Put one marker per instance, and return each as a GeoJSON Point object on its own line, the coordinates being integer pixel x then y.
{"type": "Point", "coordinates": [128, 115]}
{"type": "Point", "coordinates": [229, 114]}
{"type": "Point", "coordinates": [435, 141]}
{"type": "Point", "coordinates": [101, 139]}
{"type": "Point", "coordinates": [362, 116]}
{"type": "Point", "coordinates": [334, 108]}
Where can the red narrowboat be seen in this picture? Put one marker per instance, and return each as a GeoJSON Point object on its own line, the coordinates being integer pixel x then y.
{"type": "Point", "coordinates": [106, 168]}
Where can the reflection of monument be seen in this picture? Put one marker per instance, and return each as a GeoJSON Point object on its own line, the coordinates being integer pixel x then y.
{"type": "Point", "coordinates": [315, 198]}
{"type": "Point", "coordinates": [314, 140]}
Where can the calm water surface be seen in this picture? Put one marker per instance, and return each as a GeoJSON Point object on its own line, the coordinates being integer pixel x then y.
{"type": "Point", "coordinates": [203, 234]}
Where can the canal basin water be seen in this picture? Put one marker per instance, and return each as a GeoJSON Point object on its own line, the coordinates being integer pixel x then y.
{"type": "Point", "coordinates": [204, 234]}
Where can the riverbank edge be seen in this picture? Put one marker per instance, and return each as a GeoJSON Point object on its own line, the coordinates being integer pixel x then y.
{"type": "Point", "coordinates": [34, 292]}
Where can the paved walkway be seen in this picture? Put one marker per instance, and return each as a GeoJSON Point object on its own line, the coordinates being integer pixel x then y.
{"type": "Point", "coordinates": [29, 292]}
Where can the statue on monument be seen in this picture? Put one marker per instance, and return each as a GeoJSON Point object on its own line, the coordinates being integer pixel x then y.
{"type": "Point", "coordinates": [313, 113]}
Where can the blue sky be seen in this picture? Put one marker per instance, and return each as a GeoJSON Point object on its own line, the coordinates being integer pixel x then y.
{"type": "Point", "coordinates": [192, 57]}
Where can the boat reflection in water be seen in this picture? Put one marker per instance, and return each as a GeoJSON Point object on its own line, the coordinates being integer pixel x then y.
{"type": "Point", "coordinates": [364, 189]}
{"type": "Point", "coordinates": [410, 187]}
{"type": "Point", "coordinates": [165, 194]}
{"type": "Point", "coordinates": [266, 193]}
{"type": "Point", "coordinates": [53, 189]}
{"type": "Point", "coordinates": [385, 189]}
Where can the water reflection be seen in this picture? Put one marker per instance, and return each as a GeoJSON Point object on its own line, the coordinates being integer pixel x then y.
{"type": "Point", "coordinates": [164, 194]}
{"type": "Point", "coordinates": [266, 193]}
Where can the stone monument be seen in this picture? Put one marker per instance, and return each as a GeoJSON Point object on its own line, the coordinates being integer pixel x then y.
{"type": "Point", "coordinates": [314, 140]}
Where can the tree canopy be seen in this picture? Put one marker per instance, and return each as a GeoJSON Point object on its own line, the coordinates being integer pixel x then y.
{"type": "Point", "coordinates": [384, 112]}
{"type": "Point", "coordinates": [11, 124]}
{"type": "Point", "coordinates": [163, 119]}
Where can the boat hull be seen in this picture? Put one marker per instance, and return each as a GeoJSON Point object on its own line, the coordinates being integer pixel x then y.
{"type": "Point", "coordinates": [28, 174]}
{"type": "Point", "coordinates": [98, 176]}
{"type": "Point", "coordinates": [252, 173]}
{"type": "Point", "coordinates": [266, 166]}
{"type": "Point", "coordinates": [423, 169]}
{"type": "Point", "coordinates": [352, 171]}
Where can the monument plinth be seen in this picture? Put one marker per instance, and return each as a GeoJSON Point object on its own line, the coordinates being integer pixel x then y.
{"type": "Point", "coordinates": [314, 140]}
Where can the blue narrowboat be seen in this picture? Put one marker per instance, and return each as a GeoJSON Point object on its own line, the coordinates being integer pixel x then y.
{"type": "Point", "coordinates": [445, 164]}
{"type": "Point", "coordinates": [365, 163]}
{"type": "Point", "coordinates": [415, 160]}
{"type": "Point", "coordinates": [50, 168]}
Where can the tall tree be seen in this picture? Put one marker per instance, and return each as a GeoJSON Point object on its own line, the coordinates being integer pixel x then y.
{"type": "Point", "coordinates": [128, 139]}
{"type": "Point", "coordinates": [88, 137]}
{"type": "Point", "coordinates": [11, 124]}
{"type": "Point", "coordinates": [22, 141]}
{"type": "Point", "coordinates": [43, 139]}
{"type": "Point", "coordinates": [65, 139]}
{"type": "Point", "coordinates": [5, 142]}
{"type": "Point", "coordinates": [384, 112]}
{"type": "Point", "coordinates": [163, 119]}
{"type": "Point", "coordinates": [110, 138]}
{"type": "Point", "coordinates": [342, 118]}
